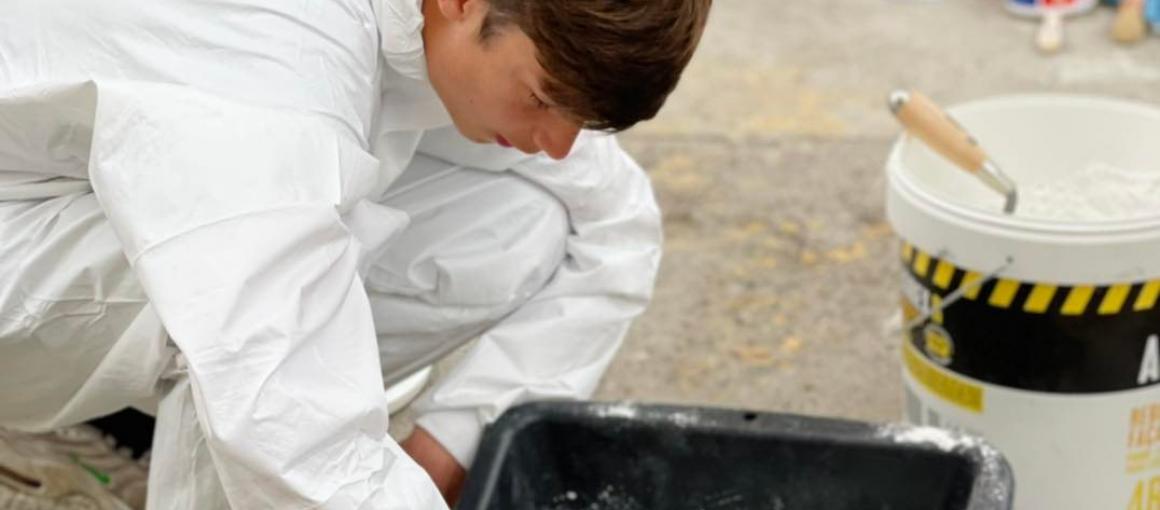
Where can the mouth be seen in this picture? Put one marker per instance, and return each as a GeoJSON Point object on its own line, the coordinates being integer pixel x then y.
{"type": "Point", "coordinates": [503, 142]}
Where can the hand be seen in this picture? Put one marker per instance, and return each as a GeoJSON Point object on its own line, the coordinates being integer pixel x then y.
{"type": "Point", "coordinates": [443, 469]}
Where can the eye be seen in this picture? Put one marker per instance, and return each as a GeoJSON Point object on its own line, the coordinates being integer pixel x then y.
{"type": "Point", "coordinates": [538, 102]}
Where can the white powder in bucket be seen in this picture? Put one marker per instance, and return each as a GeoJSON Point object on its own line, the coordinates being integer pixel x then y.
{"type": "Point", "coordinates": [1099, 192]}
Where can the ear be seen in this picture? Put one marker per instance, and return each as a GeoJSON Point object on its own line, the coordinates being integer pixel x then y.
{"type": "Point", "coordinates": [458, 10]}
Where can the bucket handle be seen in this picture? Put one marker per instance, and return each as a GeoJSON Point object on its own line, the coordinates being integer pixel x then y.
{"type": "Point", "coordinates": [958, 294]}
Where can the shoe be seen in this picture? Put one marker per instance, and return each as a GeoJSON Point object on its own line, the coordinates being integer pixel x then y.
{"type": "Point", "coordinates": [75, 468]}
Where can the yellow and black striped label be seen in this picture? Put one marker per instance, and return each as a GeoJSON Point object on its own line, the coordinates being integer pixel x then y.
{"type": "Point", "coordinates": [1037, 298]}
{"type": "Point", "coordinates": [1037, 336]}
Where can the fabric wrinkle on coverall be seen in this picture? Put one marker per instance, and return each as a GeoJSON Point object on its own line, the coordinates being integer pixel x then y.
{"type": "Point", "coordinates": [267, 249]}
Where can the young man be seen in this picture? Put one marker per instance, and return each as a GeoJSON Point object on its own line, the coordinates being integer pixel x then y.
{"type": "Point", "coordinates": [240, 252]}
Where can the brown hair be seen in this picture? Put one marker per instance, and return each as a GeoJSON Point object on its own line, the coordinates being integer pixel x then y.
{"type": "Point", "coordinates": [610, 63]}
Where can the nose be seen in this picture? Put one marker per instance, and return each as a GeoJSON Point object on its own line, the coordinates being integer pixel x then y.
{"type": "Point", "coordinates": [556, 136]}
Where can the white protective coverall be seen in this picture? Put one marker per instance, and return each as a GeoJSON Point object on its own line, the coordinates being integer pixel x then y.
{"type": "Point", "coordinates": [201, 215]}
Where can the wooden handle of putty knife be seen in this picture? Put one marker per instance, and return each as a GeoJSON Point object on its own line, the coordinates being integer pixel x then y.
{"type": "Point", "coordinates": [924, 119]}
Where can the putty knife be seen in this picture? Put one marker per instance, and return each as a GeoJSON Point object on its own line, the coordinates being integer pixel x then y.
{"type": "Point", "coordinates": [924, 119]}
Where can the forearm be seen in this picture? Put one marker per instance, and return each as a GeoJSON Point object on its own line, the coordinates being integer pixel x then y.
{"type": "Point", "coordinates": [559, 343]}
{"type": "Point", "coordinates": [439, 464]}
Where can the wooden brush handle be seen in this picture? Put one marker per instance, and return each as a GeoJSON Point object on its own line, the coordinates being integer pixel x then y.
{"type": "Point", "coordinates": [924, 119]}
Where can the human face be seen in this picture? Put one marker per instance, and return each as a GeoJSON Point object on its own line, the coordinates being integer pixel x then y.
{"type": "Point", "coordinates": [493, 89]}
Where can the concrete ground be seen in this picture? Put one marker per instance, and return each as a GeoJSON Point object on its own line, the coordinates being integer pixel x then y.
{"type": "Point", "coordinates": [780, 269]}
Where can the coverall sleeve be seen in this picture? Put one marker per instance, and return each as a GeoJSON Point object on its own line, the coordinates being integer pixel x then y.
{"type": "Point", "coordinates": [229, 215]}
{"type": "Point", "coordinates": [559, 344]}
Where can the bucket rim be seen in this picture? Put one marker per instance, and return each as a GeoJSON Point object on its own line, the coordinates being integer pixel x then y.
{"type": "Point", "coordinates": [898, 173]}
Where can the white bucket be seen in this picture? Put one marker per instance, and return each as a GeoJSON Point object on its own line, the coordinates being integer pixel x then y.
{"type": "Point", "coordinates": [1055, 359]}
